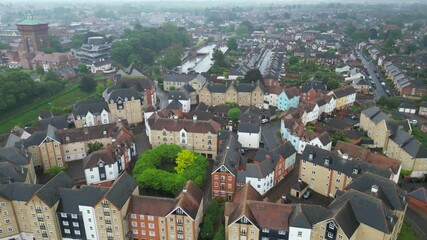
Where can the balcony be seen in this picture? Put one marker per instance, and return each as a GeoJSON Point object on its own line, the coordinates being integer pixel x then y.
{"type": "Point", "coordinates": [105, 205]}
{"type": "Point", "coordinates": [42, 227]}
{"type": "Point", "coordinates": [110, 238]}
{"type": "Point", "coordinates": [106, 213]}
{"type": "Point", "coordinates": [38, 210]}
{"type": "Point", "coordinates": [40, 219]}
{"type": "Point", "coordinates": [107, 221]}
{"type": "Point", "coordinates": [179, 223]}
{"type": "Point", "coordinates": [243, 233]}
{"type": "Point", "coordinates": [44, 235]}
{"type": "Point", "coordinates": [109, 230]}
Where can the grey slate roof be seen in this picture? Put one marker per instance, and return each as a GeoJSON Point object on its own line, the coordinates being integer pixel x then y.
{"type": "Point", "coordinates": [409, 144]}
{"type": "Point", "coordinates": [58, 122]}
{"type": "Point", "coordinates": [420, 194]}
{"type": "Point", "coordinates": [179, 77]}
{"type": "Point", "coordinates": [49, 193]}
{"type": "Point", "coordinates": [344, 91]}
{"type": "Point", "coordinates": [339, 164]}
{"type": "Point", "coordinates": [305, 215]}
{"type": "Point", "coordinates": [217, 88]}
{"type": "Point", "coordinates": [229, 152]}
{"type": "Point", "coordinates": [286, 150]}
{"type": "Point", "coordinates": [19, 191]}
{"type": "Point", "coordinates": [177, 95]}
{"type": "Point", "coordinates": [129, 93]}
{"type": "Point", "coordinates": [14, 155]}
{"type": "Point", "coordinates": [11, 173]}
{"type": "Point", "coordinates": [175, 104]}
{"type": "Point", "coordinates": [121, 190]}
{"type": "Point", "coordinates": [34, 139]}
{"type": "Point", "coordinates": [86, 196]}
{"type": "Point", "coordinates": [346, 219]}
{"type": "Point", "coordinates": [249, 127]}
{"type": "Point", "coordinates": [94, 106]}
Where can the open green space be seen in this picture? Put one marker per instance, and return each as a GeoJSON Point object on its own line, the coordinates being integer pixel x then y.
{"type": "Point", "coordinates": [407, 232]}
{"type": "Point", "coordinates": [27, 114]}
{"type": "Point", "coordinates": [420, 136]}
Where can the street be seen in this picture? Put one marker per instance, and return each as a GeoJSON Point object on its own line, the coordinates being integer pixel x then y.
{"type": "Point", "coordinates": [379, 90]}
{"type": "Point", "coordinates": [162, 96]}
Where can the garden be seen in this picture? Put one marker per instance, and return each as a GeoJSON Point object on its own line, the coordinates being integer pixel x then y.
{"type": "Point", "coordinates": [166, 168]}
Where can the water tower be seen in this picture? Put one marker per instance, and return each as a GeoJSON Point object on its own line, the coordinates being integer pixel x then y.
{"type": "Point", "coordinates": [34, 34]}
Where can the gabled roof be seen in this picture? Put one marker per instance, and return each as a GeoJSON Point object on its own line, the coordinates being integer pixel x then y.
{"type": "Point", "coordinates": [49, 193]}
{"type": "Point", "coordinates": [12, 173]}
{"type": "Point", "coordinates": [409, 144]}
{"type": "Point", "coordinates": [189, 125]}
{"type": "Point", "coordinates": [94, 106]}
{"type": "Point", "coordinates": [179, 77]}
{"type": "Point", "coordinates": [285, 150]}
{"type": "Point", "coordinates": [121, 190]}
{"type": "Point", "coordinates": [344, 91]}
{"type": "Point", "coordinates": [71, 199]}
{"type": "Point", "coordinates": [123, 93]}
{"type": "Point", "coordinates": [189, 199]}
{"type": "Point", "coordinates": [319, 156]}
{"type": "Point", "coordinates": [59, 122]}
{"type": "Point", "coordinates": [19, 191]}
{"type": "Point", "coordinates": [14, 155]}
{"type": "Point", "coordinates": [248, 127]}
{"type": "Point", "coordinates": [420, 194]}
{"type": "Point", "coordinates": [229, 152]}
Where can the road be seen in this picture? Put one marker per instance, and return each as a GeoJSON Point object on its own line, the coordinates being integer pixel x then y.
{"type": "Point", "coordinates": [418, 223]}
{"type": "Point", "coordinates": [162, 96]}
{"type": "Point", "coordinates": [379, 90]}
{"type": "Point", "coordinates": [269, 135]}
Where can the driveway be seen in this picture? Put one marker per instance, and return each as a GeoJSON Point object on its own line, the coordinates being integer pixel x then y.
{"type": "Point", "coordinates": [269, 134]}
{"type": "Point", "coordinates": [379, 90]}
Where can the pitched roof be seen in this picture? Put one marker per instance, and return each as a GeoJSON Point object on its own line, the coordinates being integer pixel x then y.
{"type": "Point", "coordinates": [229, 152]}
{"type": "Point", "coordinates": [14, 155]}
{"type": "Point", "coordinates": [420, 194]}
{"type": "Point", "coordinates": [140, 83]}
{"type": "Point", "coordinates": [179, 77]}
{"type": "Point", "coordinates": [12, 173]}
{"type": "Point", "coordinates": [285, 150]}
{"type": "Point", "coordinates": [292, 92]}
{"type": "Point", "coordinates": [18, 191]}
{"type": "Point", "coordinates": [189, 125]}
{"type": "Point", "coordinates": [121, 190]}
{"type": "Point", "coordinates": [94, 106]}
{"type": "Point", "coordinates": [409, 144]}
{"type": "Point", "coordinates": [49, 193]}
{"type": "Point", "coordinates": [319, 156]}
{"type": "Point", "coordinates": [59, 122]}
{"type": "Point", "coordinates": [85, 196]}
{"type": "Point", "coordinates": [363, 154]}
{"type": "Point", "coordinates": [248, 127]}
{"type": "Point", "coordinates": [344, 91]}
{"type": "Point", "coordinates": [190, 199]}
{"type": "Point", "coordinates": [113, 94]}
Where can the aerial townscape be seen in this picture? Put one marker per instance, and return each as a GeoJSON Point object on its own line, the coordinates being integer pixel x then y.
{"type": "Point", "coordinates": [213, 120]}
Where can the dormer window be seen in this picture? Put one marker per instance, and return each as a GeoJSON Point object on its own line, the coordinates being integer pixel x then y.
{"type": "Point", "coordinates": [355, 171]}
{"type": "Point", "coordinates": [327, 161]}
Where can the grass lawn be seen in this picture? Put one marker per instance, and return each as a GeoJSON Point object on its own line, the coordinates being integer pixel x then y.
{"type": "Point", "coordinates": [421, 136]}
{"type": "Point", "coordinates": [27, 113]}
{"type": "Point", "coordinates": [407, 233]}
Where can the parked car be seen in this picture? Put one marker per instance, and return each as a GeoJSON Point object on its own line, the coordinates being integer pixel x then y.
{"type": "Point", "coordinates": [383, 83]}
{"type": "Point", "coordinates": [387, 92]}
{"type": "Point", "coordinates": [265, 120]}
{"type": "Point", "coordinates": [353, 117]}
{"type": "Point", "coordinates": [413, 122]}
{"type": "Point", "coordinates": [417, 180]}
{"type": "Point", "coordinates": [307, 194]}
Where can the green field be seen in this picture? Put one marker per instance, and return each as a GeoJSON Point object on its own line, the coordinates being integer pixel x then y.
{"type": "Point", "coordinates": [407, 233]}
{"type": "Point", "coordinates": [28, 113]}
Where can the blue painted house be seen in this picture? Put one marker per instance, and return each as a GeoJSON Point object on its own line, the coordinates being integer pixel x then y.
{"type": "Point", "coordinates": [288, 99]}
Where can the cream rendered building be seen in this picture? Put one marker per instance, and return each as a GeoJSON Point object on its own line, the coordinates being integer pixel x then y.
{"type": "Point", "coordinates": [124, 103]}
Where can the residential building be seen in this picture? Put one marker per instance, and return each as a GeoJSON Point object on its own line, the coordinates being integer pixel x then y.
{"type": "Point", "coordinates": [96, 50]}
{"type": "Point", "coordinates": [16, 166]}
{"type": "Point", "coordinates": [175, 81]}
{"type": "Point", "coordinates": [265, 170]}
{"type": "Point", "coordinates": [244, 94]}
{"type": "Point", "coordinates": [140, 82]}
{"type": "Point", "coordinates": [55, 61]}
{"type": "Point", "coordinates": [311, 89]}
{"type": "Point", "coordinates": [124, 103]}
{"type": "Point", "coordinates": [166, 218]}
{"type": "Point", "coordinates": [289, 98]}
{"type": "Point", "coordinates": [76, 214]}
{"type": "Point", "coordinates": [16, 223]}
{"type": "Point", "coordinates": [327, 172]}
{"type": "Point", "coordinates": [354, 152]}
{"type": "Point", "coordinates": [271, 96]}
{"type": "Point", "coordinates": [91, 112]}
{"type": "Point", "coordinates": [344, 96]}
{"type": "Point", "coordinates": [224, 172]}
{"type": "Point", "coordinates": [108, 164]}
{"type": "Point", "coordinates": [248, 217]}
{"type": "Point", "coordinates": [249, 129]}
{"type": "Point", "coordinates": [395, 140]}
{"type": "Point", "coordinates": [111, 211]}
{"type": "Point", "coordinates": [418, 199]}
{"type": "Point", "coordinates": [407, 108]}
{"type": "Point", "coordinates": [196, 135]}
{"type": "Point", "coordinates": [422, 111]}
{"type": "Point", "coordinates": [42, 207]}
{"type": "Point", "coordinates": [179, 99]}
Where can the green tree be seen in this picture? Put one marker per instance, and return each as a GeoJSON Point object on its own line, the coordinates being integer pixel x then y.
{"type": "Point", "coordinates": [252, 75]}
{"type": "Point", "coordinates": [184, 159]}
{"type": "Point", "coordinates": [337, 136]}
{"type": "Point", "coordinates": [219, 58]}
{"type": "Point", "coordinates": [208, 228]}
{"type": "Point", "coordinates": [332, 84]}
{"type": "Point", "coordinates": [82, 68]}
{"type": "Point", "coordinates": [234, 114]}
{"type": "Point", "coordinates": [51, 76]}
{"type": "Point", "coordinates": [100, 88]}
{"type": "Point", "coordinates": [53, 171]}
{"type": "Point", "coordinates": [350, 28]}
{"type": "Point", "coordinates": [220, 234]}
{"type": "Point", "coordinates": [77, 41]}
{"type": "Point", "coordinates": [4, 45]}
{"type": "Point", "coordinates": [172, 56]}
{"type": "Point", "coordinates": [293, 60]}
{"type": "Point", "coordinates": [39, 70]}
{"type": "Point", "coordinates": [197, 171]}
{"type": "Point", "coordinates": [411, 48]}
{"type": "Point", "coordinates": [232, 44]}
{"type": "Point", "coordinates": [87, 84]}
{"type": "Point", "coordinates": [93, 147]}
{"type": "Point", "coordinates": [245, 29]}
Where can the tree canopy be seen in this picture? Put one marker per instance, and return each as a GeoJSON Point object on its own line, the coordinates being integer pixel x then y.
{"type": "Point", "coordinates": [245, 29]}
{"type": "Point", "coordinates": [252, 75]}
{"type": "Point", "coordinates": [232, 44]}
{"type": "Point", "coordinates": [144, 43]}
{"type": "Point", "coordinates": [87, 84]}
{"type": "Point", "coordinates": [95, 146]}
{"type": "Point", "coordinates": [234, 114]}
{"type": "Point", "coordinates": [149, 172]}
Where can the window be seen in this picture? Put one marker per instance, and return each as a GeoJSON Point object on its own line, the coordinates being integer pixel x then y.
{"type": "Point", "coordinates": [265, 230]}
{"type": "Point", "coordinates": [150, 218]}
{"type": "Point", "coordinates": [143, 232]}
{"type": "Point", "coordinates": [67, 231]}
{"type": "Point", "coordinates": [340, 237]}
{"type": "Point", "coordinates": [299, 234]}
{"type": "Point", "coordinates": [330, 235]}
{"type": "Point", "coordinates": [152, 234]}
{"type": "Point", "coordinates": [135, 232]}
{"type": "Point", "coordinates": [151, 226]}
{"type": "Point", "coordinates": [65, 223]}
{"type": "Point", "coordinates": [134, 224]}
{"type": "Point", "coordinates": [10, 229]}
{"type": "Point", "coordinates": [7, 221]}
{"type": "Point", "coordinates": [5, 213]}
{"type": "Point", "coordinates": [75, 224]}
{"type": "Point", "coordinates": [282, 232]}
{"type": "Point", "coordinates": [331, 226]}
{"type": "Point", "coordinates": [74, 216]}
{"type": "Point", "coordinates": [141, 217]}
{"type": "Point", "coordinates": [143, 225]}
{"type": "Point", "coordinates": [77, 232]}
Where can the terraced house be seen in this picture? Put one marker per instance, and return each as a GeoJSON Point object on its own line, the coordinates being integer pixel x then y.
{"type": "Point", "coordinates": [327, 172]}
{"type": "Point", "coordinates": [88, 113]}
{"type": "Point", "coordinates": [344, 97]}
{"type": "Point", "coordinates": [200, 136]}
{"type": "Point", "coordinates": [124, 103]}
{"type": "Point", "coordinates": [167, 218]}
{"type": "Point", "coordinates": [395, 138]}
{"type": "Point", "coordinates": [371, 207]}
{"type": "Point", "coordinates": [244, 94]}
